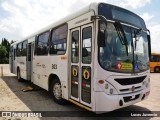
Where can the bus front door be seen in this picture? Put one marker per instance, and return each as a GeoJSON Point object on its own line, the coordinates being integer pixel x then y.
{"type": "Point", "coordinates": [28, 61]}
{"type": "Point", "coordinates": [81, 64]}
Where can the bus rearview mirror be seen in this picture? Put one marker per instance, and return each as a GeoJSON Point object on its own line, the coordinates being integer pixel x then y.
{"type": "Point", "coordinates": [149, 46]}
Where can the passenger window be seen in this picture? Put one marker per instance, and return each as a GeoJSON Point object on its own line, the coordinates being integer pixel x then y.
{"type": "Point", "coordinates": [58, 42]}
{"type": "Point", "coordinates": [75, 47]}
{"type": "Point", "coordinates": [86, 45]}
{"type": "Point", "coordinates": [19, 49]}
{"type": "Point", "coordinates": [42, 44]}
{"type": "Point", "coordinates": [11, 52]}
{"type": "Point", "coordinates": [35, 46]}
{"type": "Point", "coordinates": [24, 48]}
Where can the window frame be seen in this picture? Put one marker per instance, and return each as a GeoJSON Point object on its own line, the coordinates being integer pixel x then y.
{"type": "Point", "coordinates": [157, 58]}
{"type": "Point", "coordinates": [18, 51]}
{"type": "Point", "coordinates": [74, 48]}
{"type": "Point", "coordinates": [50, 40]}
{"type": "Point", "coordinates": [36, 44]}
{"type": "Point", "coordinates": [25, 41]}
{"type": "Point", "coordinates": [87, 47]}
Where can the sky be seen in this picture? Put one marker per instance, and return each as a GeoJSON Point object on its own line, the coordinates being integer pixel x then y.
{"type": "Point", "coordinates": [20, 18]}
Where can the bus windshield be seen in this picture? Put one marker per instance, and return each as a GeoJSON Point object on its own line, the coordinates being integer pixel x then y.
{"type": "Point", "coordinates": [115, 13]}
{"type": "Point", "coordinates": [113, 57]}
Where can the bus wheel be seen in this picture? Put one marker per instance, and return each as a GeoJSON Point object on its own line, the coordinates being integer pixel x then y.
{"type": "Point", "coordinates": [56, 92]}
{"type": "Point", "coordinates": [157, 69]}
{"type": "Point", "coordinates": [19, 75]}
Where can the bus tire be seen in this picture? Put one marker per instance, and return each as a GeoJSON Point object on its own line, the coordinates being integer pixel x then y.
{"type": "Point", "coordinates": [157, 69]}
{"type": "Point", "coordinates": [19, 75]}
{"type": "Point", "coordinates": [56, 92]}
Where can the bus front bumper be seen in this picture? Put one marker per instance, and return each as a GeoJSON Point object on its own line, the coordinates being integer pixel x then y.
{"type": "Point", "coordinates": [106, 103]}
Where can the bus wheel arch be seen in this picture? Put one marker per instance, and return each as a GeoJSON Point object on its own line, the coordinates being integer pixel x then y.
{"type": "Point", "coordinates": [56, 89]}
{"type": "Point", "coordinates": [50, 80]}
{"type": "Point", "coordinates": [157, 69]}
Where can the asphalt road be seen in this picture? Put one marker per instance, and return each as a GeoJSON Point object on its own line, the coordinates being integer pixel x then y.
{"type": "Point", "coordinates": [12, 98]}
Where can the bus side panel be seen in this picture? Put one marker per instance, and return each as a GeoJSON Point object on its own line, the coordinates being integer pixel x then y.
{"type": "Point", "coordinates": [152, 65]}
{"type": "Point", "coordinates": [21, 63]}
{"type": "Point", "coordinates": [61, 71]}
{"type": "Point", "coordinates": [40, 70]}
{"type": "Point", "coordinates": [44, 66]}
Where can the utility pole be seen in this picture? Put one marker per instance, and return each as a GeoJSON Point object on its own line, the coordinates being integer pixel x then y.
{"type": "Point", "coordinates": [1, 71]}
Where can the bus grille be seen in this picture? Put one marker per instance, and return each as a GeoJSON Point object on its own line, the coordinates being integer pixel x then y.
{"type": "Point", "coordinates": [130, 81]}
{"type": "Point", "coordinates": [129, 89]}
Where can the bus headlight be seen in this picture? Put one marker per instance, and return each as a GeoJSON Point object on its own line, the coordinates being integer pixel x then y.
{"type": "Point", "coordinates": [111, 91]}
{"type": "Point", "coordinates": [108, 88]}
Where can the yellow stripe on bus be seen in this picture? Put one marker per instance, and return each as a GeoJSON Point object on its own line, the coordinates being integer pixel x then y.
{"type": "Point", "coordinates": [63, 57]}
{"type": "Point", "coordinates": [80, 105]}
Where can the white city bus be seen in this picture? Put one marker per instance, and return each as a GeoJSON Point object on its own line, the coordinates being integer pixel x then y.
{"type": "Point", "coordinates": [97, 58]}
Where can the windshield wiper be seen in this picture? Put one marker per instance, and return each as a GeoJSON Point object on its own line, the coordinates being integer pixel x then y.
{"type": "Point", "coordinates": [121, 35]}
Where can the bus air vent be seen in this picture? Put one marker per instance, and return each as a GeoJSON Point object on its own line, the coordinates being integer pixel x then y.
{"type": "Point", "coordinates": [130, 81]}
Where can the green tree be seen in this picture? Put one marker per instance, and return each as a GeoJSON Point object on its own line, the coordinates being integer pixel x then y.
{"type": "Point", "coordinates": [2, 41]}
{"type": "Point", "coordinates": [12, 41]}
{"type": "Point", "coordinates": [7, 45]}
{"type": "Point", "coordinates": [3, 55]}
{"type": "Point", "coordinates": [4, 51]}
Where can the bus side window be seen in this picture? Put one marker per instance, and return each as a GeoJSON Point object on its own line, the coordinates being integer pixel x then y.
{"type": "Point", "coordinates": [75, 46]}
{"type": "Point", "coordinates": [58, 43]}
{"type": "Point", "coordinates": [86, 45]}
{"type": "Point", "coordinates": [155, 58]}
{"type": "Point", "coordinates": [158, 58]}
{"type": "Point", "coordinates": [35, 46]}
{"type": "Point", "coordinates": [24, 48]}
{"type": "Point", "coordinates": [19, 49]}
{"type": "Point", "coordinates": [42, 43]}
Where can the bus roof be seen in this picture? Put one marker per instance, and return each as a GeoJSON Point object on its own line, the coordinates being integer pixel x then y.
{"type": "Point", "coordinates": [90, 7]}
{"type": "Point", "coordinates": [80, 12]}
{"type": "Point", "coordinates": [155, 54]}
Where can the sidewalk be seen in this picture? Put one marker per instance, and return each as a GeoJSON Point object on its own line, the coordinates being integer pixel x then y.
{"type": "Point", "coordinates": [8, 100]}
{"type": "Point", "coordinates": [4, 70]}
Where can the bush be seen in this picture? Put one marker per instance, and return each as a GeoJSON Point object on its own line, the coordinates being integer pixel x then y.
{"type": "Point", "coordinates": [3, 55]}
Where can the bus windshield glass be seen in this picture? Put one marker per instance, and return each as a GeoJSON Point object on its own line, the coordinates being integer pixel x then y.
{"type": "Point", "coordinates": [113, 57]}
{"type": "Point", "coordinates": [119, 14]}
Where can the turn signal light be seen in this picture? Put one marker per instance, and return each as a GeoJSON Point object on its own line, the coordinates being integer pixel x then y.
{"type": "Point", "coordinates": [101, 81]}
